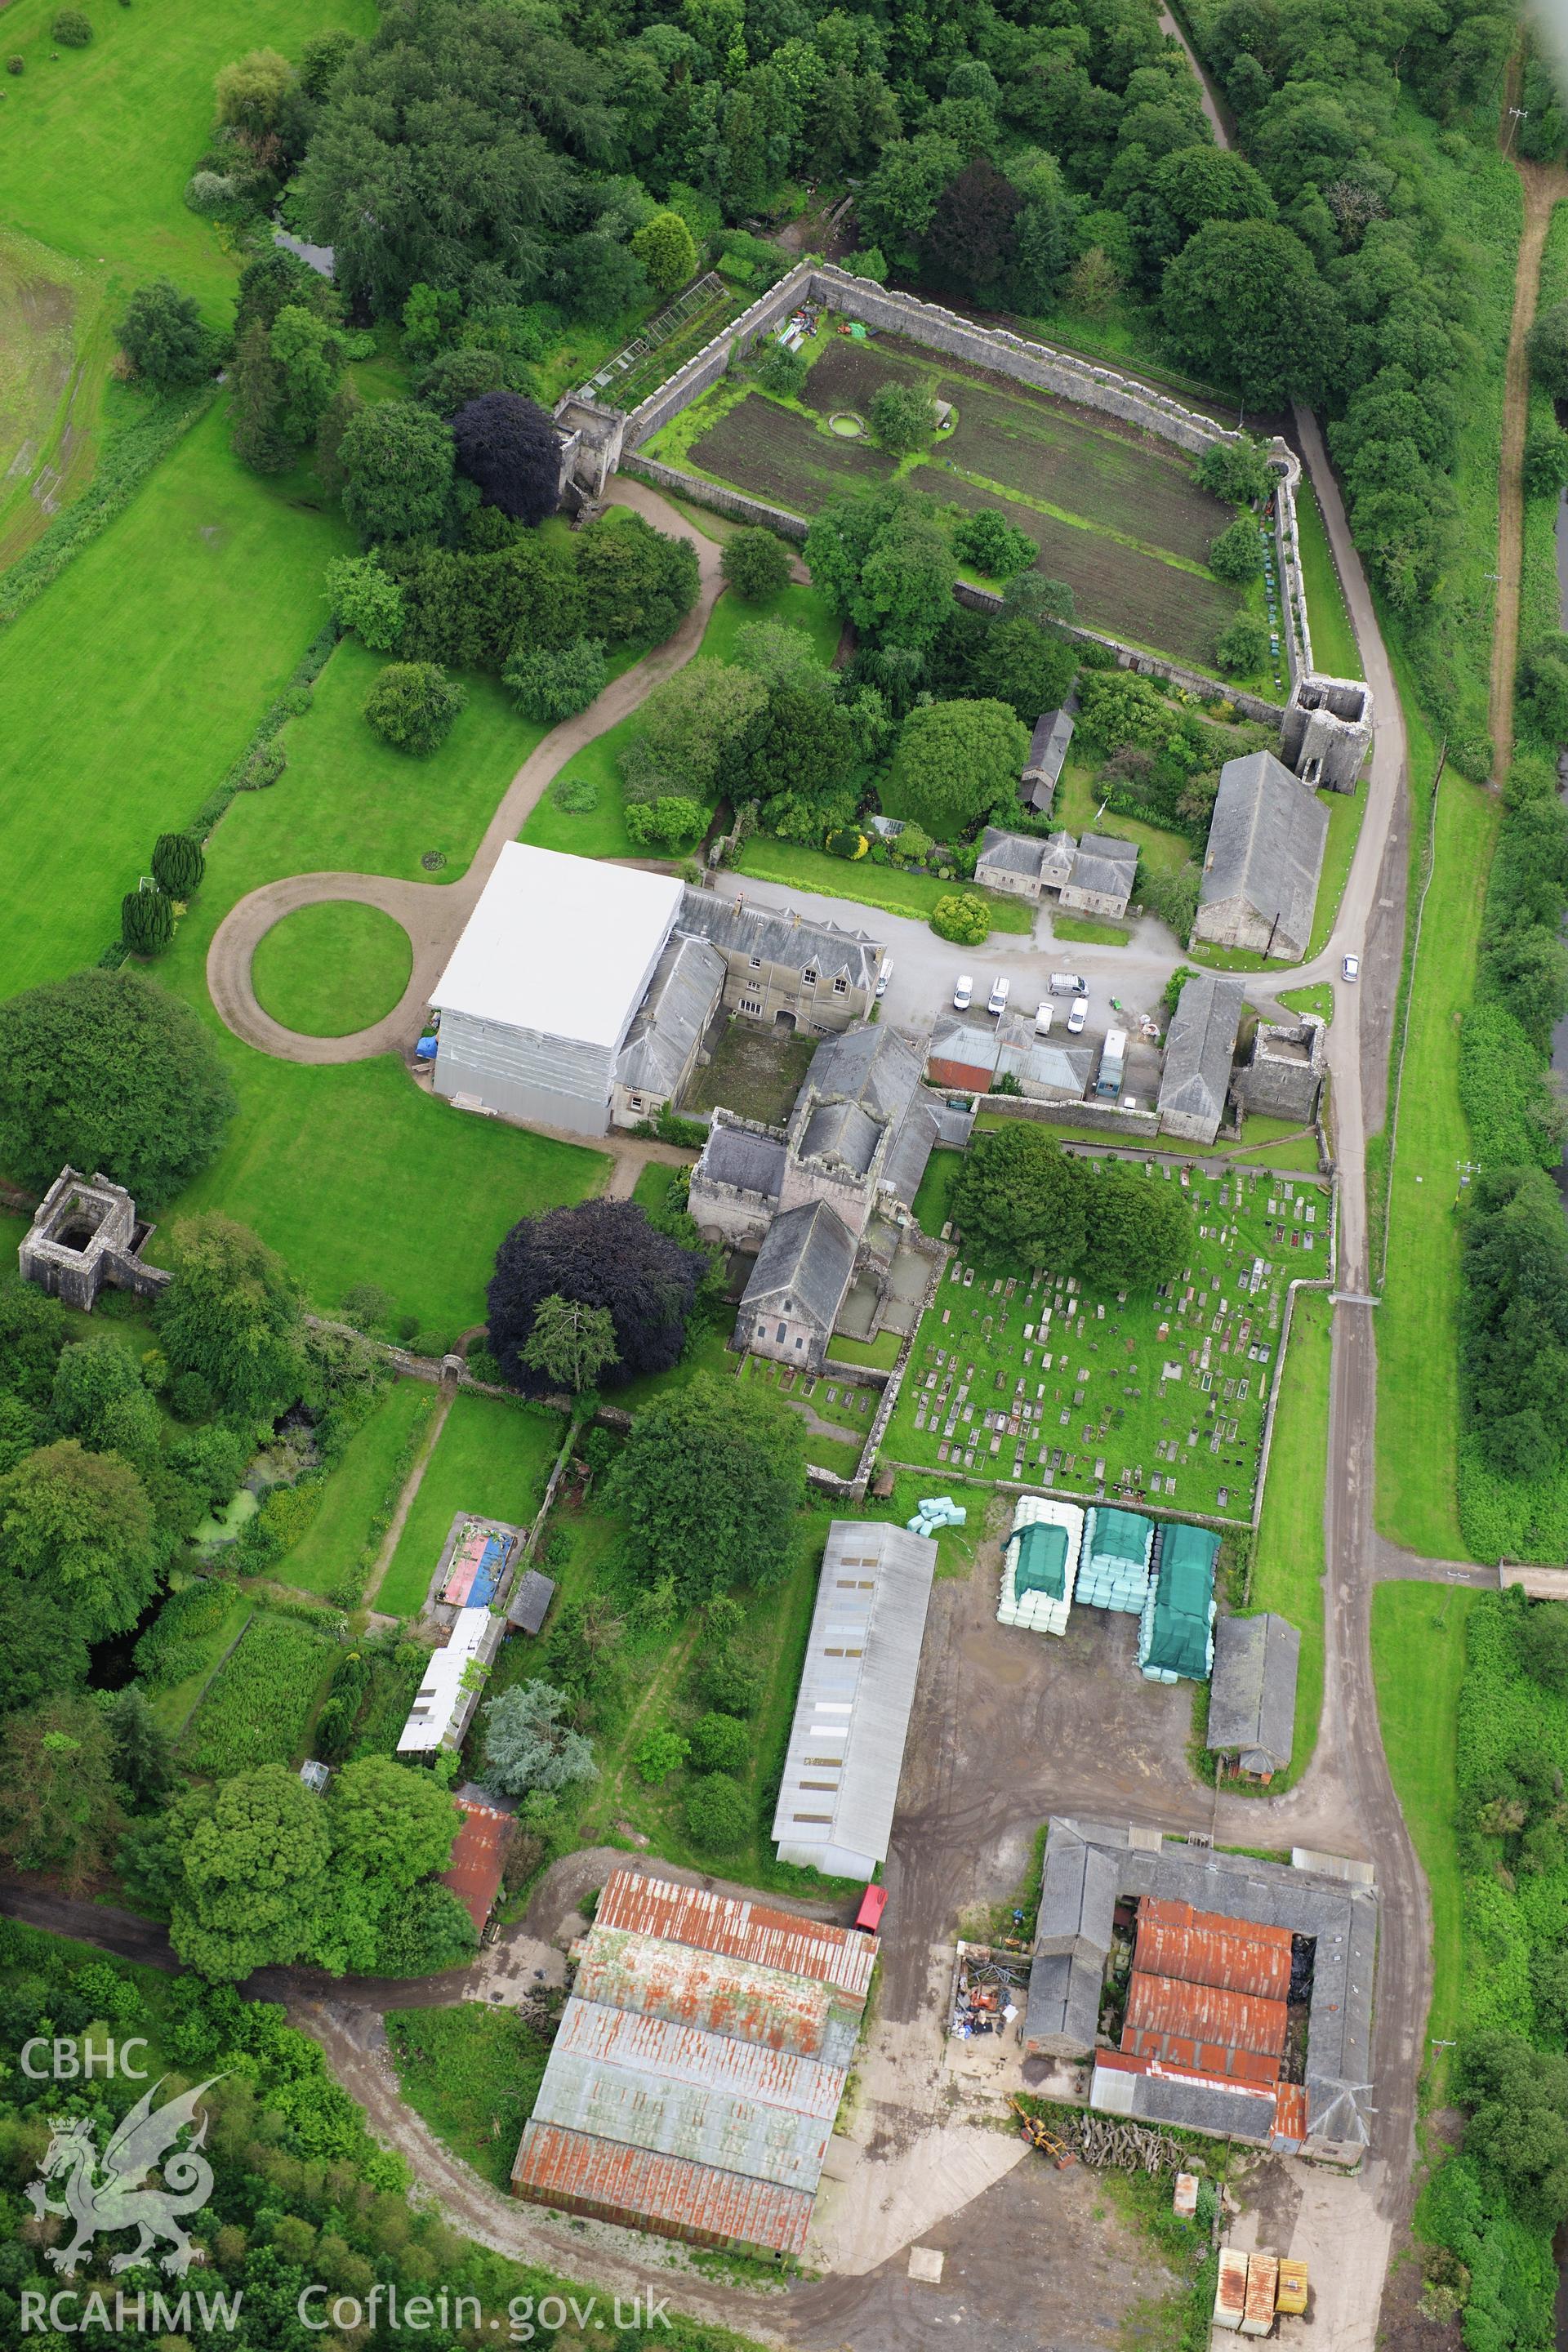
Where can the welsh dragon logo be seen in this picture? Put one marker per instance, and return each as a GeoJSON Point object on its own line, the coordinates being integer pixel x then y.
{"type": "Point", "coordinates": [106, 2195]}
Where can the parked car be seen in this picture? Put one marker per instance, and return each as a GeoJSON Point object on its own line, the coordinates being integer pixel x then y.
{"type": "Point", "coordinates": [1079, 1015]}
{"type": "Point", "coordinates": [1068, 984]}
{"type": "Point", "coordinates": [1352, 967]}
{"type": "Point", "coordinates": [885, 975]}
{"type": "Point", "coordinates": [963, 994]}
{"type": "Point", "coordinates": [1044, 1014]}
{"type": "Point", "coordinates": [998, 1001]}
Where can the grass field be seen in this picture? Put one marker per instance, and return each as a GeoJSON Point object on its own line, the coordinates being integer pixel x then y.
{"type": "Point", "coordinates": [1417, 1326]}
{"type": "Point", "coordinates": [883, 886]}
{"type": "Point", "coordinates": [360, 1491]}
{"type": "Point", "coordinates": [100, 141]}
{"type": "Point", "coordinates": [473, 2075]}
{"type": "Point", "coordinates": [1080, 931]}
{"type": "Point", "coordinates": [1078, 807]}
{"type": "Point", "coordinates": [1287, 1556]}
{"type": "Point", "coordinates": [1346, 810]}
{"type": "Point", "coordinates": [1418, 1658]}
{"type": "Point", "coordinates": [131, 687]}
{"type": "Point", "coordinates": [1162, 1414]}
{"type": "Point", "coordinates": [328, 970]}
{"type": "Point", "coordinates": [55, 345]}
{"type": "Point", "coordinates": [1335, 650]}
{"type": "Point", "coordinates": [261, 1702]}
{"type": "Point", "coordinates": [348, 803]}
{"type": "Point", "coordinates": [492, 1459]}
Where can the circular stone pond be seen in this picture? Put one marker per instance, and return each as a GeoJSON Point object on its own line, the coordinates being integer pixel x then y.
{"type": "Point", "coordinates": [329, 970]}
{"type": "Point", "coordinates": [846, 425]}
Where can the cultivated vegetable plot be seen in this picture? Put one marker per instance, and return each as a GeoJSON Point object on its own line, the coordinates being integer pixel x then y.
{"type": "Point", "coordinates": [259, 1707]}
{"type": "Point", "coordinates": [1160, 1396]}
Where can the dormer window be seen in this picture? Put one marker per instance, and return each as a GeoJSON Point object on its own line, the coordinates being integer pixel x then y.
{"type": "Point", "coordinates": [756, 963]}
{"type": "Point", "coordinates": [808, 978]}
{"type": "Point", "coordinates": [841, 986]}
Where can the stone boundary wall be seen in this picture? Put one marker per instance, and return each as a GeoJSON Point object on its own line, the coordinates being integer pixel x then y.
{"type": "Point", "coordinates": [723, 500]}
{"type": "Point", "coordinates": [1134, 1126]}
{"type": "Point", "coordinates": [1212, 689]}
{"type": "Point", "coordinates": [1001, 353]}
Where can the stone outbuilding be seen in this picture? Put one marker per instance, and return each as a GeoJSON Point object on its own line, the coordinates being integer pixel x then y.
{"type": "Point", "coordinates": [1285, 1076]}
{"type": "Point", "coordinates": [1265, 856]}
{"type": "Point", "coordinates": [1200, 1046]}
{"type": "Point", "coordinates": [1047, 756]}
{"type": "Point", "coordinates": [1048, 1069]}
{"type": "Point", "coordinates": [1024, 865]}
{"type": "Point", "coordinates": [1252, 1694]}
{"type": "Point", "coordinates": [1326, 732]}
{"type": "Point", "coordinates": [797, 1288]}
{"type": "Point", "coordinates": [1103, 873]}
{"type": "Point", "coordinates": [670, 1031]}
{"type": "Point", "coordinates": [86, 1233]}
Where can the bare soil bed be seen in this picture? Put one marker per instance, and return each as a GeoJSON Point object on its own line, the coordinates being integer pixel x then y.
{"type": "Point", "coordinates": [1118, 588]}
{"type": "Point", "coordinates": [779, 455]}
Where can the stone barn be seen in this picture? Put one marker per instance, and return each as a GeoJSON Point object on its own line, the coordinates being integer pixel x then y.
{"type": "Point", "coordinates": [1265, 856]}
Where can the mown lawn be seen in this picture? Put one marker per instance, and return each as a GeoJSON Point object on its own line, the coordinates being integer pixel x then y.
{"type": "Point", "coordinates": [492, 1459]}
{"type": "Point", "coordinates": [348, 803]}
{"type": "Point", "coordinates": [883, 886]}
{"type": "Point", "coordinates": [129, 689]}
{"type": "Point", "coordinates": [1346, 810]}
{"type": "Point", "coordinates": [472, 2074]}
{"type": "Point", "coordinates": [362, 1490]}
{"type": "Point", "coordinates": [100, 142]}
{"type": "Point", "coordinates": [1419, 1660]}
{"type": "Point", "coordinates": [1417, 1325]}
{"type": "Point", "coordinates": [330, 969]}
{"type": "Point", "coordinates": [1334, 649]}
{"type": "Point", "coordinates": [1287, 1557]}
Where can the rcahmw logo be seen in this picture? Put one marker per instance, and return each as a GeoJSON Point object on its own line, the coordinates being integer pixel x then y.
{"type": "Point", "coordinates": [103, 2194]}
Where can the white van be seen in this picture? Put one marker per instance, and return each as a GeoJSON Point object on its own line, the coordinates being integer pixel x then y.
{"type": "Point", "coordinates": [1043, 1016]}
{"type": "Point", "coordinates": [1068, 984]}
{"type": "Point", "coordinates": [1078, 1016]}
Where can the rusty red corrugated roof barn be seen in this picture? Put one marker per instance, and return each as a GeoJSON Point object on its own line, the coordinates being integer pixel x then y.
{"type": "Point", "coordinates": [693, 2085]}
{"type": "Point", "coordinates": [479, 1859]}
{"type": "Point", "coordinates": [1203, 1947]}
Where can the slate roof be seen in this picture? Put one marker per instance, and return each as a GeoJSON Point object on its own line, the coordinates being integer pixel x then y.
{"type": "Point", "coordinates": [1040, 1061]}
{"type": "Point", "coordinates": [738, 1155]}
{"type": "Point", "coordinates": [809, 1255]}
{"type": "Point", "coordinates": [780, 937]}
{"type": "Point", "coordinates": [862, 1660]}
{"type": "Point", "coordinates": [530, 1604]}
{"type": "Point", "coordinates": [1200, 1045]}
{"type": "Point", "coordinates": [1104, 864]}
{"type": "Point", "coordinates": [1266, 844]}
{"type": "Point", "coordinates": [1342, 1917]}
{"type": "Point", "coordinates": [1072, 1943]}
{"type": "Point", "coordinates": [1252, 1698]}
{"type": "Point", "coordinates": [687, 985]}
{"type": "Point", "coordinates": [961, 1037]}
{"type": "Point", "coordinates": [863, 1084]}
{"type": "Point", "coordinates": [1010, 853]}
{"type": "Point", "coordinates": [1049, 745]}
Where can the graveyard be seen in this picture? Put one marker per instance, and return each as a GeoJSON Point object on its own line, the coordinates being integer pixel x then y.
{"type": "Point", "coordinates": [1162, 1397]}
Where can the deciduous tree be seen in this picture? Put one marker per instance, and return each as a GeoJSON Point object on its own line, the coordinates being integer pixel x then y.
{"type": "Point", "coordinates": [233, 1313]}
{"type": "Point", "coordinates": [390, 1825]}
{"type": "Point", "coordinates": [507, 445]}
{"type": "Point", "coordinates": [1244, 304]}
{"type": "Point", "coordinates": [904, 417]}
{"type": "Point", "coordinates": [109, 1072]}
{"type": "Point", "coordinates": [397, 461]}
{"type": "Point", "coordinates": [956, 761]}
{"type": "Point", "coordinates": [81, 1524]}
{"type": "Point", "coordinates": [412, 706]}
{"type": "Point", "coordinates": [59, 1803]}
{"type": "Point", "coordinates": [255, 1876]}
{"type": "Point", "coordinates": [163, 337]}
{"type": "Point", "coordinates": [710, 1481]}
{"type": "Point", "coordinates": [602, 1255]}
{"type": "Point", "coordinates": [756, 564]}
